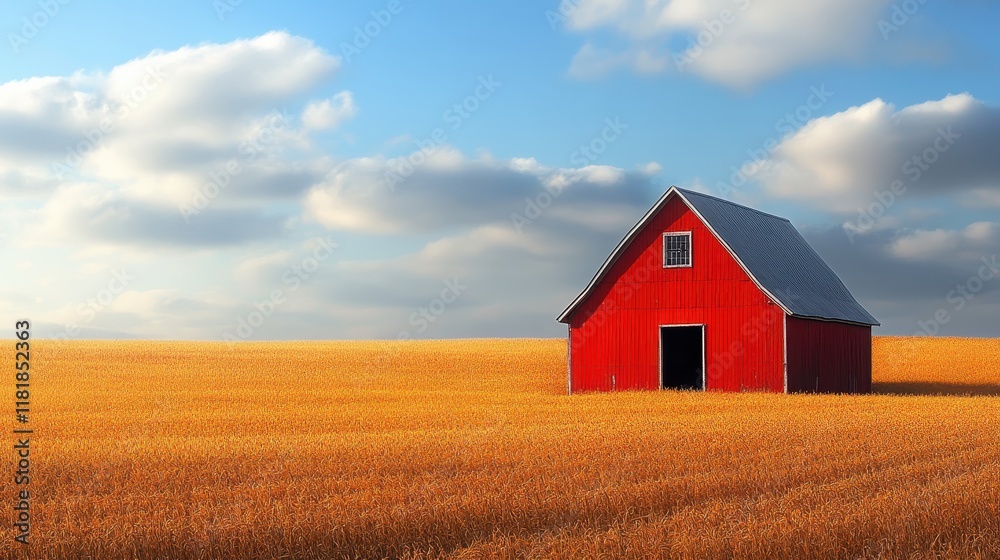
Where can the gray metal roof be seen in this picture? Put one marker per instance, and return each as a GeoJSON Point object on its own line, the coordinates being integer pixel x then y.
{"type": "Point", "coordinates": [771, 251]}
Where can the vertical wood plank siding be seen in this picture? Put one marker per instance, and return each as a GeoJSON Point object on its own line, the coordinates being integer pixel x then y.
{"type": "Point", "coordinates": [614, 334]}
{"type": "Point", "coordinates": [829, 357]}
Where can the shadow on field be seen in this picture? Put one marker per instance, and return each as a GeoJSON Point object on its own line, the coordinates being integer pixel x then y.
{"type": "Point", "coordinates": [927, 388]}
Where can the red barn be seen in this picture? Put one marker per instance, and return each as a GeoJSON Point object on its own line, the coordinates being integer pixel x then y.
{"type": "Point", "coordinates": [706, 294]}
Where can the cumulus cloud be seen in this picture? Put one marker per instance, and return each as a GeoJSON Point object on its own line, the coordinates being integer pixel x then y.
{"type": "Point", "coordinates": [938, 147]}
{"type": "Point", "coordinates": [193, 102]}
{"type": "Point", "coordinates": [449, 191]}
{"type": "Point", "coordinates": [735, 42]}
{"type": "Point", "coordinates": [205, 126]}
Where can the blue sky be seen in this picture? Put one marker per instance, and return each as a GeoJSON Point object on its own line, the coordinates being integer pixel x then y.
{"type": "Point", "coordinates": [819, 105]}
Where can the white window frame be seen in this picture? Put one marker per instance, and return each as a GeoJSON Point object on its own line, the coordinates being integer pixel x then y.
{"type": "Point", "coordinates": [663, 248]}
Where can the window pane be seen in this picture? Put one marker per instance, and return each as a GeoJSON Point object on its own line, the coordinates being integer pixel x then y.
{"type": "Point", "coordinates": [677, 250]}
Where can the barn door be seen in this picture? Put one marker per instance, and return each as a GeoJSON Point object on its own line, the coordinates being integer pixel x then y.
{"type": "Point", "coordinates": [682, 357]}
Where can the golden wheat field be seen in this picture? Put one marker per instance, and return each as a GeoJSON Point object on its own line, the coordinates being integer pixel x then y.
{"type": "Point", "coordinates": [471, 449]}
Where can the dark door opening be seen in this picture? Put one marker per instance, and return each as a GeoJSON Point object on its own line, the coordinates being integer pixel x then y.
{"type": "Point", "coordinates": [682, 357]}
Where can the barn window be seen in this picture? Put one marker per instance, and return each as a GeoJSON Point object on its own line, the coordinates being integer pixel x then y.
{"type": "Point", "coordinates": [676, 249]}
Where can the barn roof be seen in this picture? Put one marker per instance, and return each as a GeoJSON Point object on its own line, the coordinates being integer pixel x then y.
{"type": "Point", "coordinates": [771, 251]}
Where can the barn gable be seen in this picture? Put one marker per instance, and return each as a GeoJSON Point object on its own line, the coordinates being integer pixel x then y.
{"type": "Point", "coordinates": [771, 251]}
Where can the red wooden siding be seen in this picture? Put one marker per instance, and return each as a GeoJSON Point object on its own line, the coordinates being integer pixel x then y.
{"type": "Point", "coordinates": [829, 357]}
{"type": "Point", "coordinates": [614, 334]}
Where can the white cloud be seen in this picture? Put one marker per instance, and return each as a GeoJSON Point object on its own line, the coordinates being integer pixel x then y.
{"type": "Point", "coordinates": [968, 244]}
{"type": "Point", "coordinates": [451, 191]}
{"type": "Point", "coordinates": [329, 113]}
{"type": "Point", "coordinates": [115, 156]}
{"type": "Point", "coordinates": [735, 42]}
{"type": "Point", "coordinates": [651, 168]}
{"type": "Point", "coordinates": [839, 162]}
{"type": "Point", "coordinates": [164, 112]}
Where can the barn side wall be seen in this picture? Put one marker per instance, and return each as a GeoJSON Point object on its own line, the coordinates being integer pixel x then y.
{"type": "Point", "coordinates": [614, 334]}
{"type": "Point", "coordinates": [828, 357]}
